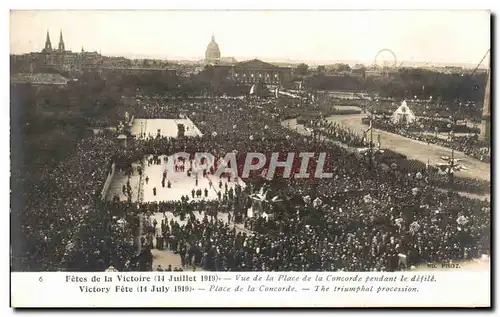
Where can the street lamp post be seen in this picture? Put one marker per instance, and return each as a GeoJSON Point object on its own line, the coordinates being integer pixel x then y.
{"type": "Point", "coordinates": [452, 161]}
{"type": "Point", "coordinates": [436, 123]}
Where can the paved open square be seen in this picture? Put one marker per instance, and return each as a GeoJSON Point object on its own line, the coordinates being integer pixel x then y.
{"type": "Point", "coordinates": [166, 127]}
{"type": "Point", "coordinates": [181, 183]}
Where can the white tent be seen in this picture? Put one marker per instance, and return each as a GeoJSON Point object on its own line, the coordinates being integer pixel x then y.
{"type": "Point", "coordinates": [403, 114]}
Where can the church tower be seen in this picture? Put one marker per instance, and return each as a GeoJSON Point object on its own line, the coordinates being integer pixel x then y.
{"type": "Point", "coordinates": [61, 42]}
{"type": "Point", "coordinates": [48, 45]}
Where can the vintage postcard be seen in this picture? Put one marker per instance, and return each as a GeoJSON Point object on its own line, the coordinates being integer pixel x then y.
{"type": "Point", "coordinates": [250, 158]}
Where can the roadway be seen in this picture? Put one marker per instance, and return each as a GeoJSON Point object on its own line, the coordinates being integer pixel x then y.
{"type": "Point", "coordinates": [418, 150]}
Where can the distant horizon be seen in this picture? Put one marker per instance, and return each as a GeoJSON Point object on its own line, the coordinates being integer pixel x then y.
{"type": "Point", "coordinates": [308, 62]}
{"type": "Point", "coordinates": [292, 61]}
{"type": "Point", "coordinates": [287, 60]}
{"type": "Point", "coordinates": [416, 37]}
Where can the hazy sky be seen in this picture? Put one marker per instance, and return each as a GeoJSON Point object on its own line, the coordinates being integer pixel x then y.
{"type": "Point", "coordinates": [423, 36]}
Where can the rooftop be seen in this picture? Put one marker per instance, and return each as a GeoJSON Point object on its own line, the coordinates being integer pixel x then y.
{"type": "Point", "coordinates": [38, 79]}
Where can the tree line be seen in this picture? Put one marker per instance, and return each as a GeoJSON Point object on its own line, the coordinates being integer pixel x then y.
{"type": "Point", "coordinates": [407, 83]}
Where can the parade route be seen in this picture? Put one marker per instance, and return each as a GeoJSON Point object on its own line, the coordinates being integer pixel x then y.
{"type": "Point", "coordinates": [418, 150]}
{"type": "Point", "coordinates": [411, 148]}
{"type": "Point", "coordinates": [414, 149]}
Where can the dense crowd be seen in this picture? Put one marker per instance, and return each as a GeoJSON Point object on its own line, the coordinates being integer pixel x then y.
{"type": "Point", "coordinates": [361, 219]}
{"type": "Point", "coordinates": [57, 217]}
{"type": "Point", "coordinates": [359, 236]}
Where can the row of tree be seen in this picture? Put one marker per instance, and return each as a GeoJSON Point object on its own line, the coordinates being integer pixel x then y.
{"type": "Point", "coordinates": [47, 122]}
{"type": "Point", "coordinates": [408, 83]}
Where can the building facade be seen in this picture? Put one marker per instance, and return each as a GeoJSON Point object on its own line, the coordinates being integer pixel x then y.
{"type": "Point", "coordinates": [137, 71]}
{"type": "Point", "coordinates": [254, 71]}
{"type": "Point", "coordinates": [56, 59]}
{"type": "Point", "coordinates": [39, 80]}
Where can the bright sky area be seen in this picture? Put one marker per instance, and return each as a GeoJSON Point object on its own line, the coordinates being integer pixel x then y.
{"type": "Point", "coordinates": [321, 36]}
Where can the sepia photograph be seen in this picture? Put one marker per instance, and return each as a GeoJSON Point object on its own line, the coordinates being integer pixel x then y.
{"type": "Point", "coordinates": [287, 153]}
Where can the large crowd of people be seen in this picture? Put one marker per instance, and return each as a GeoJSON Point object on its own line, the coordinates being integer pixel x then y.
{"type": "Point", "coordinates": [56, 218]}
{"type": "Point", "coordinates": [361, 219]}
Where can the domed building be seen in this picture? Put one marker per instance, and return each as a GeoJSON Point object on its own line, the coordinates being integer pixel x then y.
{"type": "Point", "coordinates": [212, 54]}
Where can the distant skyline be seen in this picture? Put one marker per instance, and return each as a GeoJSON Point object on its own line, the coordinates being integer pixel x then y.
{"type": "Point", "coordinates": [436, 37]}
